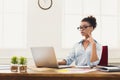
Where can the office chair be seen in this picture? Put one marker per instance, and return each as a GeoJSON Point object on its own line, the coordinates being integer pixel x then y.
{"type": "Point", "coordinates": [104, 57]}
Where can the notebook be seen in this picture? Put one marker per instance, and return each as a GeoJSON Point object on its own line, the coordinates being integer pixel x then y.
{"type": "Point", "coordinates": [109, 69]}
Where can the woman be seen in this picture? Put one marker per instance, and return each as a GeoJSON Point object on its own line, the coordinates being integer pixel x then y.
{"type": "Point", "coordinates": [88, 51]}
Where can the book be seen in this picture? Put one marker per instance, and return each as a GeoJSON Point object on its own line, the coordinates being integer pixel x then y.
{"type": "Point", "coordinates": [109, 68]}
{"type": "Point", "coordinates": [5, 67]}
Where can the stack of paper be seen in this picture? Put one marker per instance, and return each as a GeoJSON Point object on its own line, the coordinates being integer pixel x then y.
{"type": "Point", "coordinates": [75, 70]}
{"type": "Point", "coordinates": [4, 67]}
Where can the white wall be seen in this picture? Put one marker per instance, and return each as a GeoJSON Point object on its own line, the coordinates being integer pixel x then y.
{"type": "Point", "coordinates": [44, 26]}
{"type": "Point", "coordinates": [44, 29]}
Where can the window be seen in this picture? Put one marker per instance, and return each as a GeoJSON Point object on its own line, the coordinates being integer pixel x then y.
{"type": "Point", "coordinates": [13, 23]}
{"type": "Point", "coordinates": [107, 15]}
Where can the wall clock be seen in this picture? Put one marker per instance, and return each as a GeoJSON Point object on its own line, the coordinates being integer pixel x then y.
{"type": "Point", "coordinates": [45, 4]}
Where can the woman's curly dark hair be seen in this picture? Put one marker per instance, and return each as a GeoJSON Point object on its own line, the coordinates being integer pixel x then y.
{"type": "Point", "coordinates": [91, 20]}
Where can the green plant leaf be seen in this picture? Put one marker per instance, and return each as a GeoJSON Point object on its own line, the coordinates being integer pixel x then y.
{"type": "Point", "coordinates": [14, 60]}
{"type": "Point", "coordinates": [22, 60]}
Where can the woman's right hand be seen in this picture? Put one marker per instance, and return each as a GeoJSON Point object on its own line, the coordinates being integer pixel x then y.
{"type": "Point", "coordinates": [63, 62]}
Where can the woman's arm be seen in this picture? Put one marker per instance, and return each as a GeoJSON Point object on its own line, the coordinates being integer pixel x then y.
{"type": "Point", "coordinates": [93, 56]}
{"type": "Point", "coordinates": [70, 58]}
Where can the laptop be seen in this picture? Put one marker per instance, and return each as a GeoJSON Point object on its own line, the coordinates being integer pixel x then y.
{"type": "Point", "coordinates": [45, 57]}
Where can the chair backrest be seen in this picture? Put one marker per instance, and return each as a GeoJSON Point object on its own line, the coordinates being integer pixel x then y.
{"type": "Point", "coordinates": [104, 57]}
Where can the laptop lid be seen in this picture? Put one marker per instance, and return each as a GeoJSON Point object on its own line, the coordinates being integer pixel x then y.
{"type": "Point", "coordinates": [44, 57]}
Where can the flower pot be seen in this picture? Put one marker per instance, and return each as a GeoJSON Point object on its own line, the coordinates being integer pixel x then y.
{"type": "Point", "coordinates": [23, 68]}
{"type": "Point", "coordinates": [14, 68]}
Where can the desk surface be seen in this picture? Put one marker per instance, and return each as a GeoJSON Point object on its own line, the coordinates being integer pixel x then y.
{"type": "Point", "coordinates": [53, 75]}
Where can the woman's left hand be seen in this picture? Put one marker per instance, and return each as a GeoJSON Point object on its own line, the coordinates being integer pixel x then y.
{"type": "Point", "coordinates": [90, 39]}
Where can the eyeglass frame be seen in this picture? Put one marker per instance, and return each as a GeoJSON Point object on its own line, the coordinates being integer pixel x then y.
{"type": "Point", "coordinates": [80, 28]}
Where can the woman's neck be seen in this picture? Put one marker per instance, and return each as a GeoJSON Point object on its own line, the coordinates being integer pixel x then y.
{"type": "Point", "coordinates": [86, 37]}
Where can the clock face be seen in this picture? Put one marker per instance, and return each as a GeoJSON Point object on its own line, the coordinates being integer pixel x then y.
{"type": "Point", "coordinates": [45, 4]}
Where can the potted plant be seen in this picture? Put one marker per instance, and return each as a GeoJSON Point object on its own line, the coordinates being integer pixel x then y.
{"type": "Point", "coordinates": [23, 64]}
{"type": "Point", "coordinates": [14, 64]}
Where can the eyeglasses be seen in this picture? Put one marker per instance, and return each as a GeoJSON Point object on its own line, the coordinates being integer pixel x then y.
{"type": "Point", "coordinates": [82, 27]}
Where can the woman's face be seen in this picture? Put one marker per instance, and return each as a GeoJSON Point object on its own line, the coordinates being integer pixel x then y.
{"type": "Point", "coordinates": [85, 28]}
